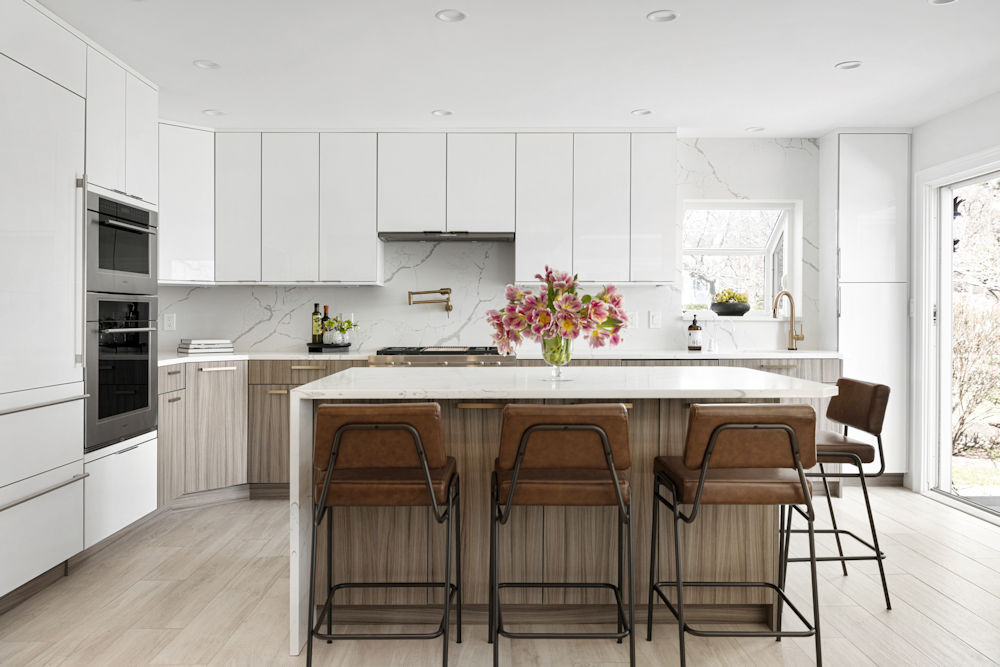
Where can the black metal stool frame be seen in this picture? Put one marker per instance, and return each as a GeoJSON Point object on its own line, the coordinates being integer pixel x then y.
{"type": "Point", "coordinates": [500, 515]}
{"type": "Point", "coordinates": [441, 515]}
{"type": "Point", "coordinates": [877, 555]}
{"type": "Point", "coordinates": [812, 629]}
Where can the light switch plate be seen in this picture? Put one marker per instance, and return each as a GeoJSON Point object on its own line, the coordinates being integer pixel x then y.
{"type": "Point", "coordinates": [655, 319]}
{"type": "Point", "coordinates": [170, 322]}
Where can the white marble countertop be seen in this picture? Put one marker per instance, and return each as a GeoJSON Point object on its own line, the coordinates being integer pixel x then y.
{"type": "Point", "coordinates": [584, 382]}
{"type": "Point", "coordinates": [527, 352]}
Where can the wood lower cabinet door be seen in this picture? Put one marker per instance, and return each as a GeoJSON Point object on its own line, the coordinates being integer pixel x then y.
{"type": "Point", "coordinates": [215, 446]}
{"type": "Point", "coordinates": [170, 448]}
{"type": "Point", "coordinates": [267, 450]}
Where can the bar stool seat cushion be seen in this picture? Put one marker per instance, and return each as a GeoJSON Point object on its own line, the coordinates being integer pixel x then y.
{"type": "Point", "coordinates": [562, 486]}
{"type": "Point", "coordinates": [828, 442]}
{"type": "Point", "coordinates": [387, 487]}
{"type": "Point", "coordinates": [733, 486]}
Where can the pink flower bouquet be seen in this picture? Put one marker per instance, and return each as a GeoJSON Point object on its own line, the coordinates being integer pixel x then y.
{"type": "Point", "coordinates": [558, 312]}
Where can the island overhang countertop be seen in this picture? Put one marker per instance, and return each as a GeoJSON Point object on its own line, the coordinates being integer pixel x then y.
{"type": "Point", "coordinates": [633, 382]}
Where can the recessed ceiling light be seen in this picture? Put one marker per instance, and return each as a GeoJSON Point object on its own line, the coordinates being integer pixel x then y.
{"type": "Point", "coordinates": [754, 128]}
{"type": "Point", "coordinates": [206, 64]}
{"type": "Point", "coordinates": [848, 64]}
{"type": "Point", "coordinates": [213, 112]}
{"type": "Point", "coordinates": [662, 16]}
{"type": "Point", "coordinates": [641, 112]}
{"type": "Point", "coordinates": [440, 112]}
{"type": "Point", "coordinates": [450, 16]}
{"type": "Point", "coordinates": [942, 2]}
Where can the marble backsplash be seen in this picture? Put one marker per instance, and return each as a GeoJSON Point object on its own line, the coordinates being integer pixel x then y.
{"type": "Point", "coordinates": [278, 318]}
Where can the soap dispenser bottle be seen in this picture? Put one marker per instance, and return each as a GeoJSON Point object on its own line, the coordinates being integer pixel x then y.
{"type": "Point", "coordinates": [694, 336]}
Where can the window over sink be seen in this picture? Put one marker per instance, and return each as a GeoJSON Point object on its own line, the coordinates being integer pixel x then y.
{"type": "Point", "coordinates": [747, 246]}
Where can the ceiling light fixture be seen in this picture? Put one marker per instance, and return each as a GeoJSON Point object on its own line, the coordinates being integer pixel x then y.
{"type": "Point", "coordinates": [848, 64]}
{"type": "Point", "coordinates": [450, 16]}
{"type": "Point", "coordinates": [662, 16]}
{"type": "Point", "coordinates": [206, 64]}
{"type": "Point", "coordinates": [213, 112]}
{"type": "Point", "coordinates": [754, 128]}
{"type": "Point", "coordinates": [440, 112]}
{"type": "Point", "coordinates": [641, 112]}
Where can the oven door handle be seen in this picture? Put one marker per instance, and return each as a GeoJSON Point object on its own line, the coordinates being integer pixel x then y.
{"type": "Point", "coordinates": [129, 330]}
{"type": "Point", "coordinates": [125, 225]}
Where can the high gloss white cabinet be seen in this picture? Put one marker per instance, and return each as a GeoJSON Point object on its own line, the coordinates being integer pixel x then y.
{"type": "Point", "coordinates": [119, 490]}
{"type": "Point", "coordinates": [653, 227]}
{"type": "Point", "coordinates": [36, 41]}
{"type": "Point", "coordinates": [105, 122]}
{"type": "Point", "coordinates": [874, 177]}
{"type": "Point", "coordinates": [349, 247]}
{"type": "Point", "coordinates": [290, 207]}
{"type": "Point", "coordinates": [601, 201]}
{"type": "Point", "coordinates": [412, 182]}
{"type": "Point", "coordinates": [481, 182]}
{"type": "Point", "coordinates": [544, 208]}
{"type": "Point", "coordinates": [237, 206]}
{"type": "Point", "coordinates": [41, 231]}
{"type": "Point", "coordinates": [142, 114]}
{"type": "Point", "coordinates": [187, 204]}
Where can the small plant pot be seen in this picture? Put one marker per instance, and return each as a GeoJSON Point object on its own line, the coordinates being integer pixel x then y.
{"type": "Point", "coordinates": [730, 309]}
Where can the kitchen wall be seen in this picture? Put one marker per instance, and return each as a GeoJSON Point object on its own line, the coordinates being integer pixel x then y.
{"type": "Point", "coordinates": [277, 318]}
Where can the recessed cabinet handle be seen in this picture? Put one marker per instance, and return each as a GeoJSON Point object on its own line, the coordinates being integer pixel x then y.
{"type": "Point", "coordinates": [216, 369]}
{"type": "Point", "coordinates": [42, 492]}
{"type": "Point", "coordinates": [35, 406]}
{"type": "Point", "coordinates": [308, 368]}
{"type": "Point", "coordinates": [174, 399]}
{"type": "Point", "coordinates": [127, 449]}
{"type": "Point", "coordinates": [778, 367]}
{"type": "Point", "coordinates": [173, 372]}
{"type": "Point", "coordinates": [277, 392]}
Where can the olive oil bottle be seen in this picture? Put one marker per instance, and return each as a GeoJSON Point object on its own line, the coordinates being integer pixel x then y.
{"type": "Point", "coordinates": [317, 336]}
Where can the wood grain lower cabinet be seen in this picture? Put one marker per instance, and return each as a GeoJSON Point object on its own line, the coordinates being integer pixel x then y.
{"type": "Point", "coordinates": [267, 445]}
{"type": "Point", "coordinates": [215, 443]}
{"type": "Point", "coordinates": [171, 410]}
{"type": "Point", "coordinates": [816, 369]}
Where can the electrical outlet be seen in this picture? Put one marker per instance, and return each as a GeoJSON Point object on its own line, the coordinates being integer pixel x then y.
{"type": "Point", "coordinates": [655, 319]}
{"type": "Point", "coordinates": [633, 319]}
{"type": "Point", "coordinates": [170, 322]}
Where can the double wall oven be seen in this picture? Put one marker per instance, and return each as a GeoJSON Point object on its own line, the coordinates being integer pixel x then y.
{"type": "Point", "coordinates": [121, 321]}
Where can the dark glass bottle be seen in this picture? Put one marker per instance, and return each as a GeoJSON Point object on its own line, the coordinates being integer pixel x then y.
{"type": "Point", "coordinates": [325, 323]}
{"type": "Point", "coordinates": [317, 335]}
{"type": "Point", "coordinates": [694, 336]}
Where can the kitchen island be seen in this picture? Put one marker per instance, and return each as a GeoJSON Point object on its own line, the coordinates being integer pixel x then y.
{"type": "Point", "coordinates": [540, 543]}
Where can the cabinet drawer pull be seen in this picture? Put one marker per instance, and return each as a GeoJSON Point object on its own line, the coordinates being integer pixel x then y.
{"type": "Point", "coordinates": [35, 406]}
{"type": "Point", "coordinates": [173, 372]}
{"type": "Point", "coordinates": [127, 449]}
{"type": "Point", "coordinates": [308, 368]}
{"type": "Point", "coordinates": [480, 406]}
{"type": "Point", "coordinates": [174, 399]}
{"type": "Point", "coordinates": [217, 369]}
{"type": "Point", "coordinates": [778, 367]}
{"type": "Point", "coordinates": [42, 492]}
{"type": "Point", "coordinates": [277, 392]}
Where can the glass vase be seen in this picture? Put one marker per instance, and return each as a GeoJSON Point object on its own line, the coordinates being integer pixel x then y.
{"type": "Point", "coordinates": [557, 352]}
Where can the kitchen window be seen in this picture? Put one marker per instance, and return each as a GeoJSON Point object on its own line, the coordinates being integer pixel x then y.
{"type": "Point", "coordinates": [744, 246]}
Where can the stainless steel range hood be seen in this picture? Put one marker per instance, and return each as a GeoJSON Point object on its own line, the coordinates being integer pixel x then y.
{"type": "Point", "coordinates": [446, 236]}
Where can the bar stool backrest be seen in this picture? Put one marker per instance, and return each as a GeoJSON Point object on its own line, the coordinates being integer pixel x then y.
{"type": "Point", "coordinates": [564, 449]}
{"type": "Point", "coordinates": [750, 447]}
{"type": "Point", "coordinates": [390, 448]}
{"type": "Point", "coordinates": [860, 405]}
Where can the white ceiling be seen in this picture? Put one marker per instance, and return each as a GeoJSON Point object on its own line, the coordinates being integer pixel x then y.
{"type": "Point", "coordinates": [722, 66]}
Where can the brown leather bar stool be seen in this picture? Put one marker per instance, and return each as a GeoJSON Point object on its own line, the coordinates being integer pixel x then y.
{"type": "Point", "coordinates": [560, 455]}
{"type": "Point", "coordinates": [386, 456]}
{"type": "Point", "coordinates": [859, 405]}
{"type": "Point", "coordinates": [737, 454]}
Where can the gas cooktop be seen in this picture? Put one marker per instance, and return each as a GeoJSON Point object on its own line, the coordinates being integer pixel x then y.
{"type": "Point", "coordinates": [479, 351]}
{"type": "Point", "coordinates": [440, 356]}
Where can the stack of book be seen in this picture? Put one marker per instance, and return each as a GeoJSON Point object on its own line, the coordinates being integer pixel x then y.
{"type": "Point", "coordinates": [205, 346]}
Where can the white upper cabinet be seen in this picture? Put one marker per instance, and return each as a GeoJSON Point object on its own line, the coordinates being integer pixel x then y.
{"type": "Point", "coordinates": [411, 182]}
{"type": "Point", "coordinates": [141, 146]}
{"type": "Point", "coordinates": [349, 247]}
{"type": "Point", "coordinates": [653, 231]}
{"type": "Point", "coordinates": [481, 182]}
{"type": "Point", "coordinates": [36, 41]}
{"type": "Point", "coordinates": [544, 233]}
{"type": "Point", "coordinates": [290, 207]}
{"type": "Point", "coordinates": [237, 206]}
{"type": "Point", "coordinates": [41, 231]}
{"type": "Point", "coordinates": [874, 207]}
{"type": "Point", "coordinates": [187, 204]}
{"type": "Point", "coordinates": [105, 122]}
{"type": "Point", "coordinates": [601, 200]}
